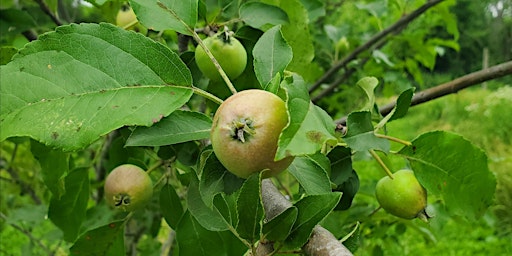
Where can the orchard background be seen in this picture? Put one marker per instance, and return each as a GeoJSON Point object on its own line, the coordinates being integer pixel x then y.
{"type": "Point", "coordinates": [80, 96]}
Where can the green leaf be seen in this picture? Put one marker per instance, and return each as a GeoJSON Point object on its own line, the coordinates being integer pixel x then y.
{"type": "Point", "coordinates": [343, 176]}
{"type": "Point", "coordinates": [170, 205]}
{"type": "Point", "coordinates": [360, 133]}
{"type": "Point", "coordinates": [316, 9]}
{"type": "Point", "coordinates": [117, 56]}
{"type": "Point", "coordinates": [74, 122]}
{"type": "Point", "coordinates": [153, 16]}
{"type": "Point", "coordinates": [311, 172]}
{"type": "Point", "coordinates": [312, 210]}
{"type": "Point", "coordinates": [271, 55]}
{"type": "Point", "coordinates": [194, 239]}
{"type": "Point", "coordinates": [278, 228]}
{"type": "Point", "coordinates": [310, 127]}
{"type": "Point", "coordinates": [450, 166]}
{"type": "Point", "coordinates": [215, 178]}
{"type": "Point", "coordinates": [54, 165]}
{"type": "Point", "coordinates": [402, 106]}
{"type": "Point", "coordinates": [209, 217]}
{"type": "Point", "coordinates": [296, 33]}
{"type": "Point", "coordinates": [262, 16]}
{"type": "Point", "coordinates": [76, 95]}
{"type": "Point", "coordinates": [250, 209]}
{"type": "Point", "coordinates": [180, 126]}
{"type": "Point", "coordinates": [105, 240]}
{"type": "Point", "coordinates": [368, 84]}
{"type": "Point", "coordinates": [68, 212]}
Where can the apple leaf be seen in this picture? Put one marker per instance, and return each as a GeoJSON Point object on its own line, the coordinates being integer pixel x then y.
{"type": "Point", "coordinates": [312, 210]}
{"type": "Point", "coordinates": [402, 106]}
{"type": "Point", "coordinates": [194, 239]}
{"type": "Point", "coordinates": [262, 16]}
{"type": "Point", "coordinates": [54, 166]}
{"type": "Point", "coordinates": [155, 17]}
{"type": "Point", "coordinates": [451, 167]}
{"type": "Point", "coordinates": [180, 126]}
{"type": "Point", "coordinates": [271, 55]}
{"type": "Point", "coordinates": [360, 133]}
{"type": "Point", "coordinates": [215, 178]}
{"type": "Point", "coordinates": [170, 205]}
{"type": "Point", "coordinates": [278, 228]}
{"type": "Point", "coordinates": [310, 127]}
{"type": "Point", "coordinates": [105, 240]}
{"type": "Point", "coordinates": [209, 217]}
{"type": "Point", "coordinates": [343, 176]}
{"type": "Point", "coordinates": [68, 211]}
{"type": "Point", "coordinates": [368, 84]}
{"type": "Point", "coordinates": [250, 209]}
{"type": "Point", "coordinates": [311, 172]}
{"type": "Point", "coordinates": [297, 35]}
{"type": "Point", "coordinates": [75, 84]}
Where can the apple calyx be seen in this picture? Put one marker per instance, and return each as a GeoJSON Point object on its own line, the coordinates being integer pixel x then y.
{"type": "Point", "coordinates": [242, 130]}
{"type": "Point", "coordinates": [122, 200]}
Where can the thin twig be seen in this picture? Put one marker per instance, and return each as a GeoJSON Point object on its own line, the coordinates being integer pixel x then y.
{"type": "Point", "coordinates": [453, 86]}
{"type": "Point", "coordinates": [48, 12]}
{"type": "Point", "coordinates": [375, 39]}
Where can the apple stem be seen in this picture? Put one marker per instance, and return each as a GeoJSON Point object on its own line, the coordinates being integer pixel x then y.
{"type": "Point", "coordinates": [200, 42]}
{"type": "Point", "coordinates": [404, 142]}
{"type": "Point", "coordinates": [381, 163]}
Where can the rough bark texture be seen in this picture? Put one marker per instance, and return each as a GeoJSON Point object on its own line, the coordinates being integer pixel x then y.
{"type": "Point", "coordinates": [321, 242]}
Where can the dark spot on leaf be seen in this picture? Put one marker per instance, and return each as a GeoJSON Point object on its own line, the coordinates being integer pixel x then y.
{"type": "Point", "coordinates": [102, 91]}
{"type": "Point", "coordinates": [414, 149]}
{"type": "Point", "coordinates": [78, 128]}
{"type": "Point", "coordinates": [315, 136]}
{"type": "Point", "coordinates": [22, 68]}
{"type": "Point", "coordinates": [112, 225]}
{"type": "Point", "coordinates": [173, 93]}
{"type": "Point", "coordinates": [55, 135]}
{"type": "Point", "coordinates": [87, 238]}
{"type": "Point", "coordinates": [134, 107]}
{"type": "Point", "coordinates": [115, 106]}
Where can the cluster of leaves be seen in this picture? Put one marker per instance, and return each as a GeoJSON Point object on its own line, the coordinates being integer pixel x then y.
{"type": "Point", "coordinates": [84, 83]}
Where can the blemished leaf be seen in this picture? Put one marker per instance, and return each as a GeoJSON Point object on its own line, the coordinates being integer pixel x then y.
{"type": "Point", "coordinates": [310, 127]}
{"type": "Point", "coordinates": [58, 95]}
{"type": "Point", "coordinates": [180, 126]}
{"type": "Point", "coordinates": [54, 165]}
{"type": "Point", "coordinates": [271, 55]}
{"type": "Point", "coordinates": [250, 209]}
{"type": "Point", "coordinates": [311, 172]}
{"type": "Point", "coordinates": [360, 133]}
{"type": "Point", "coordinates": [343, 176]}
{"type": "Point", "coordinates": [68, 212]}
{"type": "Point", "coordinates": [278, 228]}
{"type": "Point", "coordinates": [209, 217]}
{"type": "Point", "coordinates": [153, 16]}
{"type": "Point", "coordinates": [105, 240]}
{"type": "Point", "coordinates": [262, 16]}
{"type": "Point", "coordinates": [452, 167]}
{"type": "Point", "coordinates": [194, 239]}
{"type": "Point", "coordinates": [312, 210]}
{"type": "Point", "coordinates": [402, 106]}
{"type": "Point", "coordinates": [170, 205]}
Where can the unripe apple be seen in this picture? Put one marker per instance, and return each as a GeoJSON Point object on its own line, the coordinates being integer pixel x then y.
{"type": "Point", "coordinates": [246, 130]}
{"type": "Point", "coordinates": [128, 188]}
{"type": "Point", "coordinates": [126, 17]}
{"type": "Point", "coordinates": [402, 196]}
{"type": "Point", "coordinates": [227, 50]}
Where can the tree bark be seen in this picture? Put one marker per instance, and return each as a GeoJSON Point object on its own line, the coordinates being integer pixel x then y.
{"type": "Point", "coordinates": [321, 242]}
